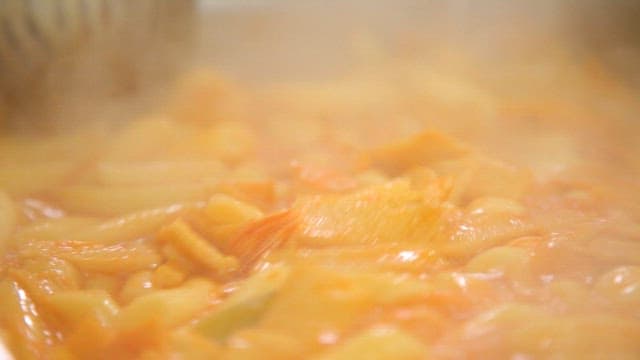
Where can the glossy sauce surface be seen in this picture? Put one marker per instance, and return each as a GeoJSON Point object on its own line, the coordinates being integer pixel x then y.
{"type": "Point", "coordinates": [337, 220]}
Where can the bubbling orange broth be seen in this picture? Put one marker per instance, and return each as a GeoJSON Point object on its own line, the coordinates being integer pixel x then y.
{"type": "Point", "coordinates": [340, 220]}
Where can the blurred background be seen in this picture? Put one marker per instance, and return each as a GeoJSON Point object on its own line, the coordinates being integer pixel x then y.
{"type": "Point", "coordinates": [57, 57]}
{"type": "Point", "coordinates": [316, 36]}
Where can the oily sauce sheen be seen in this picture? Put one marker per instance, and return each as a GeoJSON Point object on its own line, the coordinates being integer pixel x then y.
{"type": "Point", "coordinates": [393, 214]}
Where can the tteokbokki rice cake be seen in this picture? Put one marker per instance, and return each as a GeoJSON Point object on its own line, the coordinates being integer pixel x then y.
{"type": "Point", "coordinates": [355, 219]}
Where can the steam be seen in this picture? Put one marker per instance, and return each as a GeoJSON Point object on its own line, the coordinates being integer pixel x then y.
{"type": "Point", "coordinates": [507, 44]}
